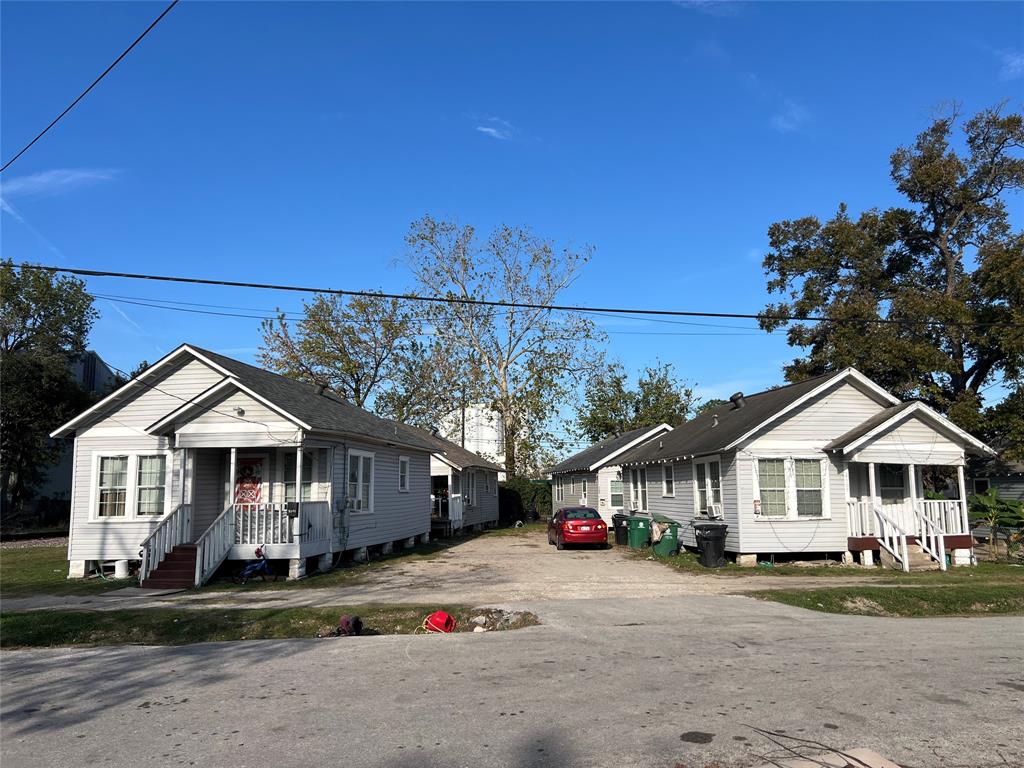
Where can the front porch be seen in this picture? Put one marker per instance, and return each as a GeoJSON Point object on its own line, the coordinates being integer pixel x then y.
{"type": "Point", "coordinates": [233, 500]}
{"type": "Point", "coordinates": [886, 510]}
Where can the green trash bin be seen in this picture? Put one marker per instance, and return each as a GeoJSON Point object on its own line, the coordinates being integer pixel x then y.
{"type": "Point", "coordinates": [669, 543]}
{"type": "Point", "coordinates": [639, 532]}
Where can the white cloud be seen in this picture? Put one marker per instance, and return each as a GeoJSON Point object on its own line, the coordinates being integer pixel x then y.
{"type": "Point", "coordinates": [1013, 64]}
{"type": "Point", "coordinates": [791, 117]}
{"type": "Point", "coordinates": [54, 182]}
{"type": "Point", "coordinates": [497, 128]}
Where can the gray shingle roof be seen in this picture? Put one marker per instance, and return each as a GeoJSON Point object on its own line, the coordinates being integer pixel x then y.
{"type": "Point", "coordinates": [323, 412]}
{"type": "Point", "coordinates": [866, 426]}
{"type": "Point", "coordinates": [453, 452]}
{"type": "Point", "coordinates": [596, 453]}
{"type": "Point", "coordinates": [705, 434]}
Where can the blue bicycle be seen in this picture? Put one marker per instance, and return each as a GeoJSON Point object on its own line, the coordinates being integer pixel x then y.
{"type": "Point", "coordinates": [260, 568]}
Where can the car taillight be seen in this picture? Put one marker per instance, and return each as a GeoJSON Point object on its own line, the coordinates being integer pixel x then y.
{"type": "Point", "coordinates": [600, 526]}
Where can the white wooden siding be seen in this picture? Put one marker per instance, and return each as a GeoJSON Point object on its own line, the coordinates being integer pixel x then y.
{"type": "Point", "coordinates": [911, 441]}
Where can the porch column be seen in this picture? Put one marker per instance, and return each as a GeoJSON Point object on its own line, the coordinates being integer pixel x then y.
{"type": "Point", "coordinates": [962, 488]}
{"type": "Point", "coordinates": [232, 469]}
{"type": "Point", "coordinates": [297, 526]}
{"type": "Point", "coordinates": [912, 482]}
{"type": "Point", "coordinates": [872, 489]}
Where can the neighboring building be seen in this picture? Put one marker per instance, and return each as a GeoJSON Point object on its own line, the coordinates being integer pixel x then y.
{"type": "Point", "coordinates": [51, 502]}
{"type": "Point", "coordinates": [829, 465]}
{"type": "Point", "coordinates": [593, 477]}
{"type": "Point", "coordinates": [463, 487]}
{"type": "Point", "coordinates": [478, 429]}
{"type": "Point", "coordinates": [202, 458]}
{"type": "Point", "coordinates": [1006, 477]}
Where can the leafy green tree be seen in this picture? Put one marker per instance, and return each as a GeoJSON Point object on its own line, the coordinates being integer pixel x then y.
{"type": "Point", "coordinates": [351, 346]}
{"type": "Point", "coordinates": [610, 407]}
{"type": "Point", "coordinates": [948, 257]}
{"type": "Point", "coordinates": [44, 323]}
{"type": "Point", "coordinates": [1000, 515]}
{"type": "Point", "coordinates": [421, 388]}
{"type": "Point", "coordinates": [523, 363]}
{"type": "Point", "coordinates": [709, 405]}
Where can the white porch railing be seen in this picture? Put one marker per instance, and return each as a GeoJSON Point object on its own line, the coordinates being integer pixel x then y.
{"type": "Point", "coordinates": [271, 524]}
{"type": "Point", "coordinates": [173, 530]}
{"type": "Point", "coordinates": [892, 538]}
{"type": "Point", "coordinates": [931, 537]}
{"type": "Point", "coordinates": [947, 514]}
{"type": "Point", "coordinates": [214, 544]}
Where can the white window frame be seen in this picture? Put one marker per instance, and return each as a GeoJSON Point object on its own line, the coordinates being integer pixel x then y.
{"type": "Point", "coordinates": [490, 479]}
{"type": "Point", "coordinates": [572, 485]}
{"type": "Point", "coordinates": [403, 462]}
{"type": "Point", "coordinates": [131, 489]}
{"type": "Point", "coordinates": [789, 466]}
{"type": "Point", "coordinates": [583, 491]}
{"type": "Point", "coordinates": [667, 471]}
{"type": "Point", "coordinates": [356, 453]}
{"type": "Point", "coordinates": [621, 494]}
{"type": "Point", "coordinates": [706, 462]}
{"type": "Point", "coordinates": [469, 490]}
{"type": "Point", "coordinates": [559, 488]}
{"type": "Point", "coordinates": [309, 459]}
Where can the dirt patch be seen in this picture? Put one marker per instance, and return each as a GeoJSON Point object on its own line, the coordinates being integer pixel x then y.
{"type": "Point", "coordinates": [864, 606]}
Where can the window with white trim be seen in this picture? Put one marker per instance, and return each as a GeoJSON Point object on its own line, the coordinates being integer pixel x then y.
{"type": "Point", "coordinates": [288, 475]}
{"type": "Point", "coordinates": [791, 488]}
{"type": "Point", "coordinates": [771, 478]}
{"type": "Point", "coordinates": [572, 485]}
{"type": "Point", "coordinates": [638, 488]}
{"type": "Point", "coordinates": [891, 483]}
{"type": "Point", "coordinates": [360, 480]}
{"type": "Point", "coordinates": [707, 485]}
{"type": "Point", "coordinates": [615, 492]}
{"type": "Point", "coordinates": [151, 480]}
{"type": "Point", "coordinates": [668, 480]}
{"type": "Point", "coordinates": [113, 486]}
{"type": "Point", "coordinates": [403, 474]}
{"type": "Point", "coordinates": [490, 478]}
{"type": "Point", "coordinates": [130, 486]}
{"type": "Point", "coordinates": [471, 489]}
{"type": "Point", "coordinates": [559, 488]}
{"type": "Point", "coordinates": [583, 490]}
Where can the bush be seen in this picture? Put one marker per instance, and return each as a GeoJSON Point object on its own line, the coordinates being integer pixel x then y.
{"type": "Point", "coordinates": [517, 494]}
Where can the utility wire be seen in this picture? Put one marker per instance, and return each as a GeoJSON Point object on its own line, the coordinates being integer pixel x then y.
{"type": "Point", "coordinates": [92, 85]}
{"type": "Point", "coordinates": [495, 303]}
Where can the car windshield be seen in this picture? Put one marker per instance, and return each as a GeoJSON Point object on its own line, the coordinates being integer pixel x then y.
{"type": "Point", "coordinates": [581, 514]}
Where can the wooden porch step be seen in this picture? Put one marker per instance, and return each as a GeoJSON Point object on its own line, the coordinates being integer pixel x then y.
{"type": "Point", "coordinates": [177, 570]}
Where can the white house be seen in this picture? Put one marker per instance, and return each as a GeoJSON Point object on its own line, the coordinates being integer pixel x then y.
{"type": "Point", "coordinates": [833, 464]}
{"type": "Point", "coordinates": [201, 458]}
{"type": "Point", "coordinates": [593, 477]}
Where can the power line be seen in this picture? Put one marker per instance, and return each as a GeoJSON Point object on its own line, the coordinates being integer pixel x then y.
{"type": "Point", "coordinates": [502, 304]}
{"type": "Point", "coordinates": [91, 86]}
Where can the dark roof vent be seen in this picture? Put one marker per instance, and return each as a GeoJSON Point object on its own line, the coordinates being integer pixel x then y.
{"type": "Point", "coordinates": [321, 389]}
{"type": "Point", "coordinates": [434, 431]}
{"type": "Point", "coordinates": [737, 401]}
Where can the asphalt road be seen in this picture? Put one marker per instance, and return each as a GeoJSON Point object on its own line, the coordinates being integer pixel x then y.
{"type": "Point", "coordinates": [677, 681]}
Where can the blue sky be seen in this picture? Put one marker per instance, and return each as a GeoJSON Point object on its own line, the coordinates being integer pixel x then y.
{"type": "Point", "coordinates": [295, 143]}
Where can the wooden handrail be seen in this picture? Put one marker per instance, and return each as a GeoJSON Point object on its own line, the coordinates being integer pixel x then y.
{"type": "Point", "coordinates": [214, 544]}
{"type": "Point", "coordinates": [173, 530]}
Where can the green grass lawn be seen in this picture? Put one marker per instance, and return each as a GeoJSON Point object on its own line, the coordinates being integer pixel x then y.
{"type": "Point", "coordinates": [165, 626]}
{"type": "Point", "coordinates": [44, 571]}
{"type": "Point", "coordinates": [529, 529]}
{"type": "Point", "coordinates": [954, 600]}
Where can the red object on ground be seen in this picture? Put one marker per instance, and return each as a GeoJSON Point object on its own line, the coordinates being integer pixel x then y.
{"type": "Point", "coordinates": [439, 621]}
{"type": "Point", "coordinates": [577, 525]}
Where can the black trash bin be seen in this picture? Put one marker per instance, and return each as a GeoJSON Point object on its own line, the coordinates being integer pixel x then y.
{"type": "Point", "coordinates": [711, 543]}
{"type": "Point", "coordinates": [620, 523]}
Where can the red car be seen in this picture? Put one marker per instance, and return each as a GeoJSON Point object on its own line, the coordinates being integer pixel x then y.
{"type": "Point", "coordinates": [577, 525]}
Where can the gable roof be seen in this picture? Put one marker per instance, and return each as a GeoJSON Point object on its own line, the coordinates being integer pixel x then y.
{"type": "Point", "coordinates": [890, 417]}
{"type": "Point", "coordinates": [599, 454]}
{"type": "Point", "coordinates": [726, 426]}
{"type": "Point", "coordinates": [452, 453]}
{"type": "Point", "coordinates": [297, 401]}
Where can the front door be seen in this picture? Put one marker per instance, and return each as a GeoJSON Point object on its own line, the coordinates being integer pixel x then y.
{"type": "Point", "coordinates": [250, 480]}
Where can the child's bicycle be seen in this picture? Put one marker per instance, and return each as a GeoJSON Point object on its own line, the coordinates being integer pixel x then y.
{"type": "Point", "coordinates": [260, 568]}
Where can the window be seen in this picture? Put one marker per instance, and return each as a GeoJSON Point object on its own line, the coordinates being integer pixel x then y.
{"type": "Point", "coordinates": [489, 479]}
{"type": "Point", "coordinates": [638, 488]}
{"type": "Point", "coordinates": [581, 514]}
{"type": "Point", "coordinates": [133, 486]}
{"type": "Point", "coordinates": [771, 477]}
{"type": "Point", "coordinates": [616, 493]}
{"type": "Point", "coordinates": [360, 481]}
{"type": "Point", "coordinates": [288, 476]}
{"type": "Point", "coordinates": [572, 485]}
{"type": "Point", "coordinates": [583, 489]}
{"type": "Point", "coordinates": [403, 474]}
{"type": "Point", "coordinates": [981, 485]}
{"type": "Point", "coordinates": [113, 486]}
{"type": "Point", "coordinates": [808, 488]}
{"type": "Point", "coordinates": [668, 480]}
{"type": "Point", "coordinates": [559, 488]}
{"type": "Point", "coordinates": [791, 488]}
{"type": "Point", "coordinates": [707, 481]}
{"type": "Point", "coordinates": [643, 488]}
{"type": "Point", "coordinates": [471, 489]}
{"type": "Point", "coordinates": [151, 482]}
{"type": "Point", "coordinates": [891, 483]}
